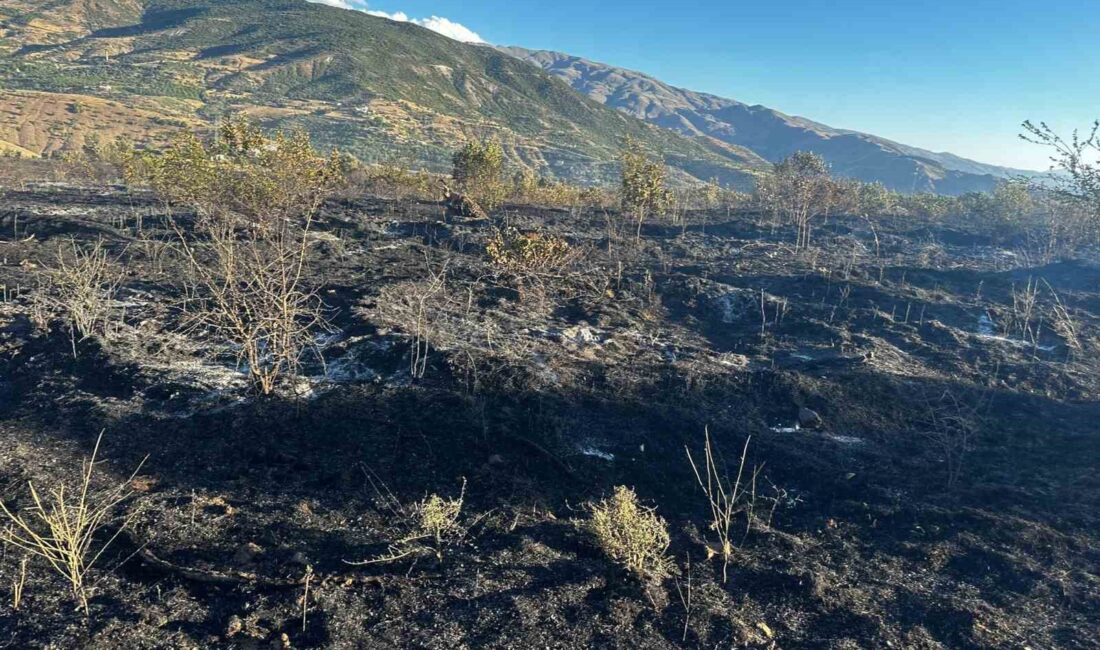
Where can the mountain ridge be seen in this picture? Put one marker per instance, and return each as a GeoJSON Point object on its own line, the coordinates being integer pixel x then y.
{"type": "Point", "coordinates": [768, 132]}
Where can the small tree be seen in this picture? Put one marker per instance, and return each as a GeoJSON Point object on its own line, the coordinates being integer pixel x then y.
{"type": "Point", "coordinates": [1012, 207]}
{"type": "Point", "coordinates": [479, 172]}
{"type": "Point", "coordinates": [926, 205]}
{"type": "Point", "coordinates": [710, 195]}
{"type": "Point", "coordinates": [255, 197]}
{"type": "Point", "coordinates": [1059, 224]}
{"type": "Point", "coordinates": [856, 197]}
{"type": "Point", "coordinates": [977, 205]}
{"type": "Point", "coordinates": [643, 192]}
{"type": "Point", "coordinates": [798, 190]}
{"type": "Point", "coordinates": [117, 152]}
{"type": "Point", "coordinates": [1078, 158]}
{"type": "Point", "coordinates": [1012, 199]}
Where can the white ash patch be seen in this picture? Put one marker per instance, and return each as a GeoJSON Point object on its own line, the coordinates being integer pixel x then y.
{"type": "Point", "coordinates": [593, 452]}
{"type": "Point", "coordinates": [794, 429]}
{"type": "Point", "coordinates": [837, 438]}
{"type": "Point", "coordinates": [985, 325]}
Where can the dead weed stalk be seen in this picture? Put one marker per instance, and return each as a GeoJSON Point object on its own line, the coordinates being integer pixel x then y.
{"type": "Point", "coordinates": [726, 499]}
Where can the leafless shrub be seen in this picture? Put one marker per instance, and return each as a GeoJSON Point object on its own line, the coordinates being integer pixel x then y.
{"type": "Point", "coordinates": [485, 346]}
{"type": "Point", "coordinates": [483, 339]}
{"type": "Point", "coordinates": [685, 590]}
{"type": "Point", "coordinates": [250, 290]}
{"type": "Point", "coordinates": [951, 424]}
{"type": "Point", "coordinates": [156, 249]}
{"type": "Point", "coordinates": [81, 283]}
{"type": "Point", "coordinates": [413, 307]}
{"type": "Point", "coordinates": [63, 527]}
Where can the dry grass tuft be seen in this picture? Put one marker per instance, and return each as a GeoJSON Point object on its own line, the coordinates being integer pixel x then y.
{"type": "Point", "coordinates": [19, 585]}
{"type": "Point", "coordinates": [438, 520]}
{"type": "Point", "coordinates": [1064, 322]}
{"type": "Point", "coordinates": [63, 526]}
{"type": "Point", "coordinates": [429, 526]}
{"type": "Point", "coordinates": [632, 535]}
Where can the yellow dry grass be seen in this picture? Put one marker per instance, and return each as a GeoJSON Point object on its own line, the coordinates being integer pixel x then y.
{"type": "Point", "coordinates": [7, 148]}
{"type": "Point", "coordinates": [43, 123]}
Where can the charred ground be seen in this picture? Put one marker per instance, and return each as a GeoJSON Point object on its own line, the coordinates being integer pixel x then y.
{"type": "Point", "coordinates": [883, 527]}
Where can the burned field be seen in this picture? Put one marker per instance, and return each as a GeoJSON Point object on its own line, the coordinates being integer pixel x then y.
{"type": "Point", "coordinates": [919, 401]}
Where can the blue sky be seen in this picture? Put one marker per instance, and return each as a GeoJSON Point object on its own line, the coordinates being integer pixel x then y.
{"type": "Point", "coordinates": [947, 75]}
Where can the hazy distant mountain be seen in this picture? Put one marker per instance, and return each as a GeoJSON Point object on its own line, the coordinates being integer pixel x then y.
{"type": "Point", "coordinates": [382, 90]}
{"type": "Point", "coordinates": [767, 132]}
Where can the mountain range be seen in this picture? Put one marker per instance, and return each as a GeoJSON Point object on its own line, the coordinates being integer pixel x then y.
{"type": "Point", "coordinates": [769, 133]}
{"type": "Point", "coordinates": [393, 92]}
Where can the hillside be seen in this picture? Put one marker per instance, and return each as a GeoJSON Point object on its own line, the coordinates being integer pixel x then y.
{"type": "Point", "coordinates": [767, 132]}
{"type": "Point", "coordinates": [382, 90]}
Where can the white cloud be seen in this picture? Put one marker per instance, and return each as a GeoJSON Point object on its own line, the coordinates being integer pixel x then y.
{"type": "Point", "coordinates": [438, 24]}
{"type": "Point", "coordinates": [450, 29]}
{"type": "Point", "coordinates": [342, 4]}
{"type": "Point", "coordinates": [399, 16]}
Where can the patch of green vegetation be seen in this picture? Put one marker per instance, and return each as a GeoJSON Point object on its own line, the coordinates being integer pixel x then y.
{"type": "Point", "coordinates": [101, 79]}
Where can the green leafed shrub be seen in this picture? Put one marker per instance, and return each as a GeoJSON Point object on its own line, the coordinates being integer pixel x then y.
{"type": "Point", "coordinates": [643, 192]}
{"type": "Point", "coordinates": [479, 173]}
